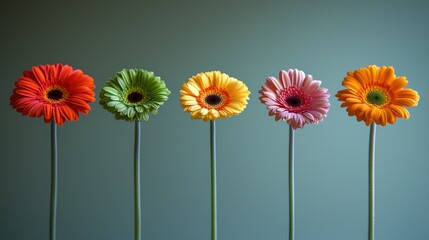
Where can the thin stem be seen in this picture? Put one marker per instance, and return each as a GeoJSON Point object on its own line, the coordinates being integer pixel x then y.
{"type": "Point", "coordinates": [291, 185]}
{"type": "Point", "coordinates": [137, 200]}
{"type": "Point", "coordinates": [54, 182]}
{"type": "Point", "coordinates": [213, 180]}
{"type": "Point", "coordinates": [371, 182]}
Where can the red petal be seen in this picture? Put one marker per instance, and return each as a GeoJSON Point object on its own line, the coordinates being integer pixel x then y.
{"type": "Point", "coordinates": [39, 74]}
{"type": "Point", "coordinates": [26, 93]}
{"type": "Point", "coordinates": [32, 110]}
{"type": "Point", "coordinates": [65, 72]}
{"type": "Point", "coordinates": [48, 112]}
{"type": "Point", "coordinates": [58, 118]}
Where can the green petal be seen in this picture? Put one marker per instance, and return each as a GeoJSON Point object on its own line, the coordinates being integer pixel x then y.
{"type": "Point", "coordinates": [145, 116]}
{"type": "Point", "coordinates": [112, 103]}
{"type": "Point", "coordinates": [111, 90]}
{"type": "Point", "coordinates": [130, 112]}
{"type": "Point", "coordinates": [122, 83]}
{"type": "Point", "coordinates": [139, 109]}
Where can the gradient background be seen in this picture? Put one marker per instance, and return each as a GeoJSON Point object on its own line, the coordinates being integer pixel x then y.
{"type": "Point", "coordinates": [250, 40]}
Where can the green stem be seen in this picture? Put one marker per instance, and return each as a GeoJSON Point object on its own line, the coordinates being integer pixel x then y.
{"type": "Point", "coordinates": [291, 185]}
{"type": "Point", "coordinates": [137, 200]}
{"type": "Point", "coordinates": [213, 180]}
{"type": "Point", "coordinates": [54, 182]}
{"type": "Point", "coordinates": [371, 182]}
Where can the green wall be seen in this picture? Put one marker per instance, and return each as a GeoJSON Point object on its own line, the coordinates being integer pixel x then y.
{"type": "Point", "coordinates": [250, 40]}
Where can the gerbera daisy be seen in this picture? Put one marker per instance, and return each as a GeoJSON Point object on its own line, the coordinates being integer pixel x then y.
{"type": "Point", "coordinates": [56, 92]}
{"type": "Point", "coordinates": [213, 95]}
{"type": "Point", "coordinates": [134, 93]}
{"type": "Point", "coordinates": [375, 94]}
{"type": "Point", "coordinates": [296, 98]}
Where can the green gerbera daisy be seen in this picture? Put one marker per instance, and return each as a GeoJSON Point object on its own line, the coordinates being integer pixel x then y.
{"type": "Point", "coordinates": [134, 93]}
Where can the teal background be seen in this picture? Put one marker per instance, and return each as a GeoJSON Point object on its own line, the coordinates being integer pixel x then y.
{"type": "Point", "coordinates": [249, 40]}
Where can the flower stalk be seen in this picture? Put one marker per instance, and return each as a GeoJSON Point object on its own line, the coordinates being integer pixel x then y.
{"type": "Point", "coordinates": [213, 180]}
{"type": "Point", "coordinates": [137, 199]}
{"type": "Point", "coordinates": [371, 183]}
{"type": "Point", "coordinates": [54, 182]}
{"type": "Point", "coordinates": [291, 183]}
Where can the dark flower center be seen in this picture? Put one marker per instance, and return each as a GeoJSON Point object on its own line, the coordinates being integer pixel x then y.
{"type": "Point", "coordinates": [376, 97]}
{"type": "Point", "coordinates": [213, 99]}
{"type": "Point", "coordinates": [293, 101]}
{"type": "Point", "coordinates": [55, 95]}
{"type": "Point", "coordinates": [135, 97]}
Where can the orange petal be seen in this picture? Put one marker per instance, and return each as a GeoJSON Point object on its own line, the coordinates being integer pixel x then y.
{"type": "Point", "coordinates": [405, 102]}
{"type": "Point", "coordinates": [398, 83]}
{"type": "Point", "coordinates": [352, 84]}
{"type": "Point", "coordinates": [390, 116]}
{"type": "Point", "coordinates": [408, 93]}
{"type": "Point", "coordinates": [363, 76]}
{"type": "Point", "coordinates": [400, 111]}
{"type": "Point", "coordinates": [386, 75]}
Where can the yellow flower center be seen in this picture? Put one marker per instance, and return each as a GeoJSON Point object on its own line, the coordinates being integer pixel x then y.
{"type": "Point", "coordinates": [377, 96]}
{"type": "Point", "coordinates": [213, 98]}
{"type": "Point", "coordinates": [55, 94]}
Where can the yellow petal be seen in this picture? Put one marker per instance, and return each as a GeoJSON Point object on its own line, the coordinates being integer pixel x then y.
{"type": "Point", "coordinates": [193, 89]}
{"type": "Point", "coordinates": [204, 111]}
{"type": "Point", "coordinates": [194, 108]}
{"type": "Point", "coordinates": [188, 98]}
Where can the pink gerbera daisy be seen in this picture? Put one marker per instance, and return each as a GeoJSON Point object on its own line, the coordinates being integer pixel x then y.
{"type": "Point", "coordinates": [295, 98]}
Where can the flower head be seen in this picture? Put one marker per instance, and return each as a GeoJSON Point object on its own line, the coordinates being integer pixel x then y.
{"type": "Point", "coordinates": [295, 98]}
{"type": "Point", "coordinates": [56, 92]}
{"type": "Point", "coordinates": [375, 94]}
{"type": "Point", "coordinates": [213, 95]}
{"type": "Point", "coordinates": [134, 93]}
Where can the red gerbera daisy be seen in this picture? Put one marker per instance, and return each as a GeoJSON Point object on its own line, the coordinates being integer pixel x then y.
{"type": "Point", "coordinates": [56, 92]}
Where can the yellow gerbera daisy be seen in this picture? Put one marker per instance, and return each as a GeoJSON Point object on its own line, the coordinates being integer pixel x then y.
{"type": "Point", "coordinates": [375, 94]}
{"type": "Point", "coordinates": [211, 95]}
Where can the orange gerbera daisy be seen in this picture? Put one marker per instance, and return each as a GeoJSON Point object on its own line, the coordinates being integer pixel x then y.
{"type": "Point", "coordinates": [375, 94]}
{"type": "Point", "coordinates": [56, 92]}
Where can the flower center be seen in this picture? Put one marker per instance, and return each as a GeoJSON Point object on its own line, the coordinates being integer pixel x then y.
{"type": "Point", "coordinates": [55, 94]}
{"type": "Point", "coordinates": [213, 99]}
{"type": "Point", "coordinates": [135, 97]}
{"type": "Point", "coordinates": [294, 100]}
{"type": "Point", "coordinates": [377, 97]}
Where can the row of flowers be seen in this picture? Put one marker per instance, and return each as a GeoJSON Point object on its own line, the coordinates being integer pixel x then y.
{"type": "Point", "coordinates": [59, 93]}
